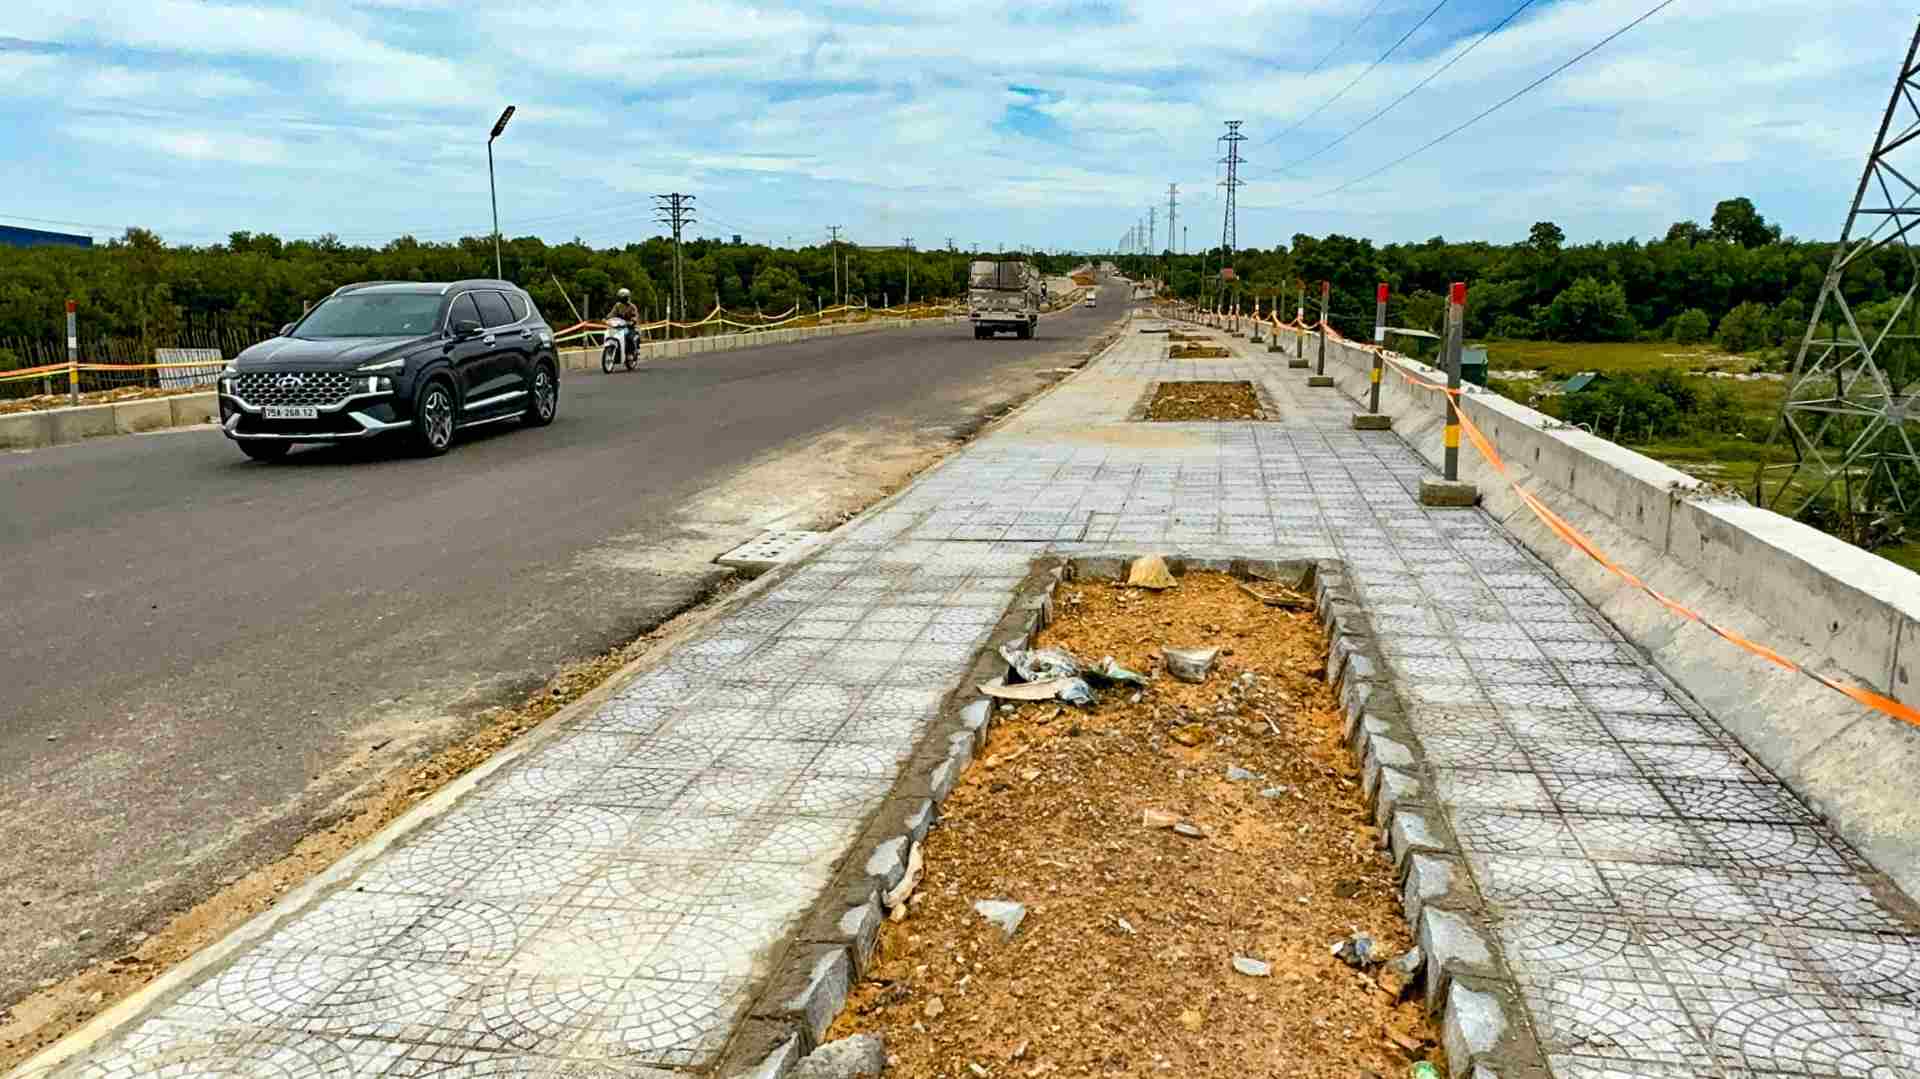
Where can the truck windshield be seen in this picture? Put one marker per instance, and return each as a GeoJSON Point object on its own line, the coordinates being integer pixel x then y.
{"type": "Point", "coordinates": [373, 314]}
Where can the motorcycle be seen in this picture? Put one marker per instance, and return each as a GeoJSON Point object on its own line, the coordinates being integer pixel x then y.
{"type": "Point", "coordinates": [618, 349]}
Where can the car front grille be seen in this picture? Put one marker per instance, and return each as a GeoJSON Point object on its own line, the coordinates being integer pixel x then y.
{"type": "Point", "coordinates": [324, 389]}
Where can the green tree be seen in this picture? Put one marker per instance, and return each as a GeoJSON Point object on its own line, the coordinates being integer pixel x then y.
{"type": "Point", "coordinates": [1588, 310]}
{"type": "Point", "coordinates": [1736, 221]}
{"type": "Point", "coordinates": [1745, 328]}
{"type": "Point", "coordinates": [1546, 237]}
{"type": "Point", "coordinates": [1692, 327]}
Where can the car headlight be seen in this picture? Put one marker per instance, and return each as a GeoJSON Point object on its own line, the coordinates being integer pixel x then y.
{"type": "Point", "coordinates": [384, 365]}
{"type": "Point", "coordinates": [230, 370]}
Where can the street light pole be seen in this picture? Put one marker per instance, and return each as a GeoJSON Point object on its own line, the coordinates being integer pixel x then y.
{"type": "Point", "coordinates": [493, 196]}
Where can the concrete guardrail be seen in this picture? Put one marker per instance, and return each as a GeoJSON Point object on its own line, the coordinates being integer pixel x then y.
{"type": "Point", "coordinates": [1828, 605]}
{"type": "Point", "coordinates": [53, 426]}
{"type": "Point", "coordinates": [588, 359]}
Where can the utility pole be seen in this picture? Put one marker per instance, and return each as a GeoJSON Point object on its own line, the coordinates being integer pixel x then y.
{"type": "Point", "coordinates": [676, 212]}
{"type": "Point", "coordinates": [908, 302]}
{"type": "Point", "coordinates": [1229, 225]}
{"type": "Point", "coordinates": [833, 253]}
{"type": "Point", "coordinates": [1153, 212]}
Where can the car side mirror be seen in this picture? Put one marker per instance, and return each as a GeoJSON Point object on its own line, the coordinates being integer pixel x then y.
{"type": "Point", "coordinates": [465, 328]}
{"type": "Point", "coordinates": [287, 329]}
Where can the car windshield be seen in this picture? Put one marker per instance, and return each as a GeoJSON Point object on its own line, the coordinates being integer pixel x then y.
{"type": "Point", "coordinates": [373, 314]}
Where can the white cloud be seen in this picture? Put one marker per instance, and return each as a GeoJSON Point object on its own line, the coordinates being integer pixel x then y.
{"type": "Point", "coordinates": [199, 147]}
{"type": "Point", "coordinates": [353, 115]}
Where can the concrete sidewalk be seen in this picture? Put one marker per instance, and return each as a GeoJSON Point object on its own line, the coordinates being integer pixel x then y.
{"type": "Point", "coordinates": [1609, 885]}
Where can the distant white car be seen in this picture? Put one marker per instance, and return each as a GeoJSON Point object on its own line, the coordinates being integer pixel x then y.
{"type": "Point", "coordinates": [1090, 302]}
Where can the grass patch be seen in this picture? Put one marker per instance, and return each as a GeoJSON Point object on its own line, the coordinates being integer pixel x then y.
{"type": "Point", "coordinates": [1625, 357]}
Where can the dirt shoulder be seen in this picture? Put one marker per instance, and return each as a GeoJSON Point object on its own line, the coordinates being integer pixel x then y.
{"type": "Point", "coordinates": [1125, 961]}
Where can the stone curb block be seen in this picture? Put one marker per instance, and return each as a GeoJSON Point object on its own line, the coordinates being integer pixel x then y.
{"type": "Point", "coordinates": [1412, 829]}
{"type": "Point", "coordinates": [810, 992]}
{"type": "Point", "coordinates": [1433, 880]}
{"type": "Point", "coordinates": [1485, 1032]}
{"type": "Point", "coordinates": [1454, 945]}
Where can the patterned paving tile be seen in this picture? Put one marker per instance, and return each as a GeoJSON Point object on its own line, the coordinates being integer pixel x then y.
{"type": "Point", "coordinates": [595, 909]}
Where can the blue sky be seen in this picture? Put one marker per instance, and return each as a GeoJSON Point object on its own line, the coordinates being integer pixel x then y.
{"type": "Point", "coordinates": [1051, 123]}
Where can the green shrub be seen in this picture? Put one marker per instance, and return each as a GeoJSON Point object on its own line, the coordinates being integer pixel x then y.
{"type": "Point", "coordinates": [1691, 327]}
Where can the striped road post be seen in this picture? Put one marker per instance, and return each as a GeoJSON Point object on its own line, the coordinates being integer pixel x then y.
{"type": "Point", "coordinates": [1379, 343]}
{"type": "Point", "coordinates": [73, 353]}
{"type": "Point", "coordinates": [1456, 322]}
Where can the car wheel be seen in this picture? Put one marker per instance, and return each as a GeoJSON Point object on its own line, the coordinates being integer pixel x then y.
{"type": "Point", "coordinates": [265, 451]}
{"type": "Point", "coordinates": [546, 397]}
{"type": "Point", "coordinates": [434, 416]}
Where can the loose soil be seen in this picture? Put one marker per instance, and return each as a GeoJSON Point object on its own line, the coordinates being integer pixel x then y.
{"type": "Point", "coordinates": [1197, 352]}
{"type": "Point", "coordinates": [42, 401]}
{"type": "Point", "coordinates": [1124, 963]}
{"type": "Point", "coordinates": [1175, 402]}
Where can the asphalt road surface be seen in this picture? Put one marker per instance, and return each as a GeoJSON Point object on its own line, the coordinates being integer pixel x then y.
{"type": "Point", "coordinates": [192, 643]}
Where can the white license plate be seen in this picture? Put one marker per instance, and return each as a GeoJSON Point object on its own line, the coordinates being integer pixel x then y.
{"type": "Point", "coordinates": [292, 412]}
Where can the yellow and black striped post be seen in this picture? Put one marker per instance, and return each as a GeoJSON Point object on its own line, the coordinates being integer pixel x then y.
{"type": "Point", "coordinates": [1456, 321]}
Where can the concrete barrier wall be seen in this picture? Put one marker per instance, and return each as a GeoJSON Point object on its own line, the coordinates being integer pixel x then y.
{"type": "Point", "coordinates": [1836, 609]}
{"type": "Point", "coordinates": [588, 359]}
{"type": "Point", "coordinates": [53, 426]}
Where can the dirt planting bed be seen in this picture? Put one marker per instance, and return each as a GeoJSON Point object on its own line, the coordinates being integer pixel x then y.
{"type": "Point", "coordinates": [1175, 402]}
{"type": "Point", "coordinates": [1197, 352]}
{"type": "Point", "coordinates": [1158, 845]}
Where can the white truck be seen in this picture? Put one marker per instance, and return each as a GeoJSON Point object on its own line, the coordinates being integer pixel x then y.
{"type": "Point", "coordinates": [1004, 295]}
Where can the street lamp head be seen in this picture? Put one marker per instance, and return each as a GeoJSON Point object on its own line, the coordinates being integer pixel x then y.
{"type": "Point", "coordinates": [501, 124]}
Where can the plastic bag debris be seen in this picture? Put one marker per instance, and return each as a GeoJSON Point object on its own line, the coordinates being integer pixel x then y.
{"type": "Point", "coordinates": [1039, 664]}
{"type": "Point", "coordinates": [1068, 690]}
{"type": "Point", "coordinates": [1190, 664]}
{"type": "Point", "coordinates": [1113, 673]}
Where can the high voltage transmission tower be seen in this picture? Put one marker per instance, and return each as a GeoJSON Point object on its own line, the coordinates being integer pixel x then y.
{"type": "Point", "coordinates": [833, 253]}
{"type": "Point", "coordinates": [1851, 411]}
{"type": "Point", "coordinates": [1153, 213]}
{"type": "Point", "coordinates": [676, 212]}
{"type": "Point", "coordinates": [1229, 225]}
{"type": "Point", "coordinates": [1173, 203]}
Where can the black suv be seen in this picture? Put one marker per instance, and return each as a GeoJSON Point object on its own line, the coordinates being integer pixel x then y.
{"type": "Point", "coordinates": [419, 360]}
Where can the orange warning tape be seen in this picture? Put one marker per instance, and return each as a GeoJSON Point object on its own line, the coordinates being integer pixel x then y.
{"type": "Point", "coordinates": [1578, 540]}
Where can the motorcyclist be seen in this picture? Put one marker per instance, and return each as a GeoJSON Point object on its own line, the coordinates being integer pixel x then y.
{"type": "Point", "coordinates": [625, 308]}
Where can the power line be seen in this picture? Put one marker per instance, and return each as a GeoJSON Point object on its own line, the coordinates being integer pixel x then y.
{"type": "Point", "coordinates": [1342, 92]}
{"type": "Point", "coordinates": [1490, 110]}
{"type": "Point", "coordinates": [1330, 54]}
{"type": "Point", "coordinates": [1396, 102]}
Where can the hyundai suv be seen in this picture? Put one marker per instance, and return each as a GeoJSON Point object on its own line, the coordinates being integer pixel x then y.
{"type": "Point", "coordinates": [421, 361]}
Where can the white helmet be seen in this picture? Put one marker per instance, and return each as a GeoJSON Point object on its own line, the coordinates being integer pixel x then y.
{"type": "Point", "coordinates": [624, 294]}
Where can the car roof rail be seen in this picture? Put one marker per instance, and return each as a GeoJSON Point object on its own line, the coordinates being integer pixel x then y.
{"type": "Point", "coordinates": [368, 284]}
